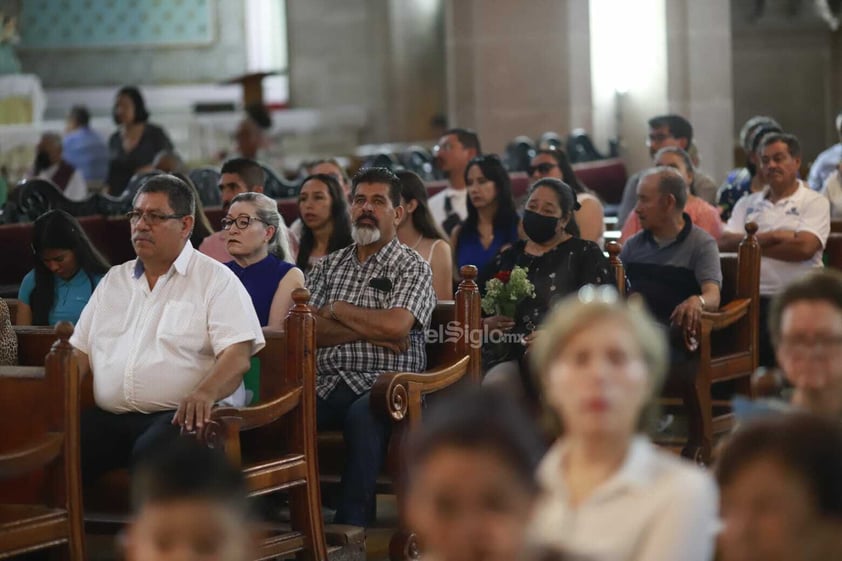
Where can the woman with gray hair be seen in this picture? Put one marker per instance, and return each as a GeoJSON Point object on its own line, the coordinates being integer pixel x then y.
{"type": "Point", "coordinates": [254, 236]}
{"type": "Point", "coordinates": [607, 492]}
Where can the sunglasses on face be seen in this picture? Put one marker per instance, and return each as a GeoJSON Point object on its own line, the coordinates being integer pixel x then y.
{"type": "Point", "coordinates": [543, 169]}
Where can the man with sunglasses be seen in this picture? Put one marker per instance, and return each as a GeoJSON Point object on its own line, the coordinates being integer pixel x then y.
{"type": "Point", "coordinates": [454, 150]}
{"type": "Point", "coordinates": [666, 130]}
{"type": "Point", "coordinates": [166, 336]}
{"type": "Point", "coordinates": [241, 175]}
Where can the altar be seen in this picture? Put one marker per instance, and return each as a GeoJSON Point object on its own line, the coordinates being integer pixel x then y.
{"type": "Point", "coordinates": [22, 99]}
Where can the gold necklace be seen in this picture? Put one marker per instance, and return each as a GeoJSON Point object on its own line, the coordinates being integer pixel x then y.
{"type": "Point", "coordinates": [420, 237]}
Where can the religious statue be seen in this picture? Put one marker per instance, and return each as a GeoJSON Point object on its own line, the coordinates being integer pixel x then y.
{"type": "Point", "coordinates": [9, 38]}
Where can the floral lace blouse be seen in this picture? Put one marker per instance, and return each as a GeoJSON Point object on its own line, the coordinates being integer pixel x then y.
{"type": "Point", "coordinates": [555, 274]}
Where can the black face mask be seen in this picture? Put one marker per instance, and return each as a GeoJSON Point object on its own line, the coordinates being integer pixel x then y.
{"type": "Point", "coordinates": [42, 162]}
{"type": "Point", "coordinates": [538, 227]}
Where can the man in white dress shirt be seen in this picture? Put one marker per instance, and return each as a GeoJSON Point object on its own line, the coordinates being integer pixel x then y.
{"type": "Point", "coordinates": [166, 336]}
{"type": "Point", "coordinates": [793, 225]}
{"type": "Point", "coordinates": [454, 150]}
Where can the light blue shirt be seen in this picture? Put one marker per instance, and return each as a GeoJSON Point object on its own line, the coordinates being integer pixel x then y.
{"type": "Point", "coordinates": [824, 165]}
{"type": "Point", "coordinates": [70, 296]}
{"type": "Point", "coordinates": [88, 153]}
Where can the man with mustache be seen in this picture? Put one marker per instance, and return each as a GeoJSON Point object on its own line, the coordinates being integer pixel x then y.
{"type": "Point", "coordinates": [375, 300]}
{"type": "Point", "coordinates": [166, 336]}
{"type": "Point", "coordinates": [793, 225]}
{"type": "Point", "coordinates": [241, 175]}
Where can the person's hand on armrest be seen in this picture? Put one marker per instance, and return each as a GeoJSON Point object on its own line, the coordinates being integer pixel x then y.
{"type": "Point", "coordinates": [688, 314]}
{"type": "Point", "coordinates": [227, 374]}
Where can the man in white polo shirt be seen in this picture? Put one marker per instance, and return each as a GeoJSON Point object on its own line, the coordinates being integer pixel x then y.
{"type": "Point", "coordinates": [793, 225]}
{"type": "Point", "coordinates": [166, 336]}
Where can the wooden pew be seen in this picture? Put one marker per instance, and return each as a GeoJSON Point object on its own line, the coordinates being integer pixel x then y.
{"type": "Point", "coordinates": [453, 356]}
{"type": "Point", "coordinates": [726, 350]}
{"type": "Point", "coordinates": [40, 485]}
{"type": "Point", "coordinates": [273, 441]}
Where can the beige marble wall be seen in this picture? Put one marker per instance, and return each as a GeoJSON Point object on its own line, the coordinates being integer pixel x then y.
{"type": "Point", "coordinates": [699, 84]}
{"type": "Point", "coordinates": [509, 68]}
{"type": "Point", "coordinates": [787, 65]}
{"type": "Point", "coordinates": [386, 56]}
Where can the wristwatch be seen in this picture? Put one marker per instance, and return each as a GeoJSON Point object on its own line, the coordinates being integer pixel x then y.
{"type": "Point", "coordinates": [699, 296]}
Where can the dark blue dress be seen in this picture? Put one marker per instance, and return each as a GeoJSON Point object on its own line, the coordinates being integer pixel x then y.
{"type": "Point", "coordinates": [471, 252]}
{"type": "Point", "coordinates": [261, 281]}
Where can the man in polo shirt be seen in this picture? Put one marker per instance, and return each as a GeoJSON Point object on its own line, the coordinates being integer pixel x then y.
{"type": "Point", "coordinates": [375, 300]}
{"type": "Point", "coordinates": [673, 264]}
{"type": "Point", "coordinates": [166, 336]}
{"type": "Point", "coordinates": [793, 225]}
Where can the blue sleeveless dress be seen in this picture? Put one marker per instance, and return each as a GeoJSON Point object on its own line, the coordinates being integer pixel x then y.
{"type": "Point", "coordinates": [261, 281]}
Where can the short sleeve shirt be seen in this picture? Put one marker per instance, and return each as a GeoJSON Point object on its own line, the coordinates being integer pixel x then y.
{"type": "Point", "coordinates": [394, 277]}
{"type": "Point", "coordinates": [150, 348]}
{"type": "Point", "coordinates": [666, 275]}
{"type": "Point", "coordinates": [69, 296]}
{"type": "Point", "coordinates": [803, 211]}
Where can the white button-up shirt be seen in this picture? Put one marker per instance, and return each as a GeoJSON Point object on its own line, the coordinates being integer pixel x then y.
{"type": "Point", "coordinates": [150, 348]}
{"type": "Point", "coordinates": [803, 211]}
{"type": "Point", "coordinates": [656, 507]}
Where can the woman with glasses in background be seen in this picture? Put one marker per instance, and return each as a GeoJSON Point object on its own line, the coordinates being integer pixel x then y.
{"type": "Point", "coordinates": [252, 231]}
{"type": "Point", "coordinates": [67, 269]}
{"type": "Point", "coordinates": [492, 222]}
{"type": "Point", "coordinates": [591, 215]}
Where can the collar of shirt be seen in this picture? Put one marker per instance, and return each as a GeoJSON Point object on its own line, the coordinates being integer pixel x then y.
{"type": "Point", "coordinates": [384, 255]}
{"type": "Point", "coordinates": [682, 235]}
{"type": "Point", "coordinates": [796, 196]}
{"type": "Point", "coordinates": [180, 264]}
{"type": "Point", "coordinates": [75, 279]}
{"type": "Point", "coordinates": [635, 471]}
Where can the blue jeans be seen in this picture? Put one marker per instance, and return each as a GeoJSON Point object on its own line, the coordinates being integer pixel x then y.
{"type": "Point", "coordinates": [366, 437]}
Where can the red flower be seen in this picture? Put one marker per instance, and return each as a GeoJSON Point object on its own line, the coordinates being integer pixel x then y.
{"type": "Point", "coordinates": [503, 276]}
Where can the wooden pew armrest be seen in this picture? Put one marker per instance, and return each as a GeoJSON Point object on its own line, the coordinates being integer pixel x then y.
{"type": "Point", "coordinates": [35, 455]}
{"type": "Point", "coordinates": [727, 315]}
{"type": "Point", "coordinates": [391, 393]}
{"type": "Point", "coordinates": [262, 414]}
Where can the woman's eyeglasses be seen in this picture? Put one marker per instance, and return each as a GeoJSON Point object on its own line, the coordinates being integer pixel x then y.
{"type": "Point", "coordinates": [241, 222]}
{"type": "Point", "coordinates": [543, 169]}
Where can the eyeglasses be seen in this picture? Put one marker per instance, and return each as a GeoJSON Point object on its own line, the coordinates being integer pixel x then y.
{"type": "Point", "coordinates": [242, 222]}
{"type": "Point", "coordinates": [543, 169]}
{"type": "Point", "coordinates": [152, 218]}
{"type": "Point", "coordinates": [800, 345]}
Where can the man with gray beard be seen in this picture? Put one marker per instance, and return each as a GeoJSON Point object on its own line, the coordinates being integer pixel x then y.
{"type": "Point", "coordinates": [375, 299]}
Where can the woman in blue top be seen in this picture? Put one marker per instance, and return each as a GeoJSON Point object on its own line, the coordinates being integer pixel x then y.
{"type": "Point", "coordinates": [67, 269]}
{"type": "Point", "coordinates": [492, 222]}
{"type": "Point", "coordinates": [251, 230]}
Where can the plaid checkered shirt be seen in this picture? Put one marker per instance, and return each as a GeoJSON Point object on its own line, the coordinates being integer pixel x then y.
{"type": "Point", "coordinates": [341, 277]}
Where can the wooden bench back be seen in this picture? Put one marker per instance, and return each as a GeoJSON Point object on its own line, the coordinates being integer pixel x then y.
{"type": "Point", "coordinates": [455, 328]}
{"type": "Point", "coordinates": [35, 401]}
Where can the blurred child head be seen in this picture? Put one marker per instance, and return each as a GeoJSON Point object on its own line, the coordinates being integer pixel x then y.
{"type": "Point", "coordinates": [189, 504]}
{"type": "Point", "coordinates": [471, 484]}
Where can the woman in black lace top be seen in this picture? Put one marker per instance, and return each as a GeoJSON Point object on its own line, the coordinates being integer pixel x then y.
{"type": "Point", "coordinates": [558, 263]}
